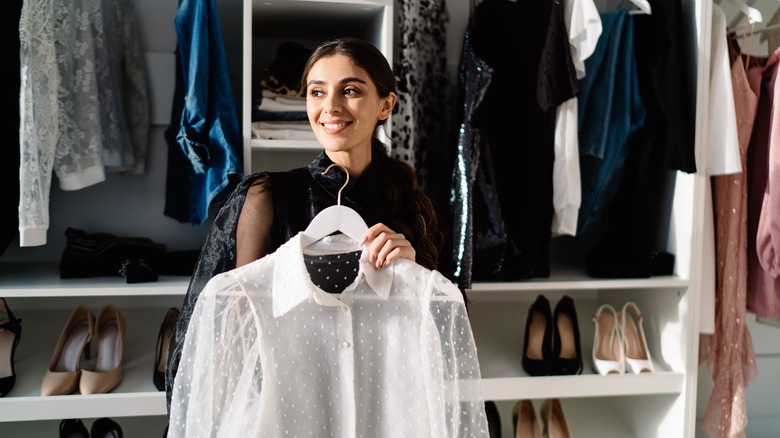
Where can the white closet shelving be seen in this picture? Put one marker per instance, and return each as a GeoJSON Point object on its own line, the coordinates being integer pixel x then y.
{"type": "Point", "coordinates": [658, 405]}
{"type": "Point", "coordinates": [661, 404]}
{"type": "Point", "coordinates": [267, 24]}
{"type": "Point", "coordinates": [128, 206]}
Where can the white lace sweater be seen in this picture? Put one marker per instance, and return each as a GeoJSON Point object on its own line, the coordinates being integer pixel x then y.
{"type": "Point", "coordinates": [83, 101]}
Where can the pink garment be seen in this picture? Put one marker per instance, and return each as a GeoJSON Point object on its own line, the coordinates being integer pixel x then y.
{"type": "Point", "coordinates": [768, 235]}
{"type": "Point", "coordinates": [729, 352]}
{"type": "Point", "coordinates": [764, 201]}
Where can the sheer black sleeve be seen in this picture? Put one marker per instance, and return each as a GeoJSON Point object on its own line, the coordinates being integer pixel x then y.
{"type": "Point", "coordinates": [218, 255]}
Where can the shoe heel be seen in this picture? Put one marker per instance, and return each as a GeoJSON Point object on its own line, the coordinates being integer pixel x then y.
{"type": "Point", "coordinates": [554, 423]}
{"type": "Point", "coordinates": [524, 420]}
{"type": "Point", "coordinates": [638, 359]}
{"type": "Point", "coordinates": [107, 372]}
{"type": "Point", "coordinates": [567, 352]}
{"type": "Point", "coordinates": [608, 355]}
{"type": "Point", "coordinates": [64, 370]}
{"type": "Point", "coordinates": [163, 341]}
{"type": "Point", "coordinates": [10, 335]}
{"type": "Point", "coordinates": [537, 339]}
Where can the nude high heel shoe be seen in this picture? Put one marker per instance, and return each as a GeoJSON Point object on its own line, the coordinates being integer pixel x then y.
{"type": "Point", "coordinates": [111, 340]}
{"type": "Point", "coordinates": [608, 355]}
{"type": "Point", "coordinates": [524, 420]}
{"type": "Point", "coordinates": [638, 358]}
{"type": "Point", "coordinates": [553, 421]}
{"type": "Point", "coordinates": [62, 376]}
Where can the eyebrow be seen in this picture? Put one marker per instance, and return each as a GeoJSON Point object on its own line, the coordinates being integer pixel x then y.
{"type": "Point", "coordinates": [344, 81]}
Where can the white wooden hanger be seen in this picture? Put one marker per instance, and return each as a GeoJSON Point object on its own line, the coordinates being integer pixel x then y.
{"type": "Point", "coordinates": [335, 218]}
{"type": "Point", "coordinates": [644, 8]}
{"type": "Point", "coordinates": [753, 14]}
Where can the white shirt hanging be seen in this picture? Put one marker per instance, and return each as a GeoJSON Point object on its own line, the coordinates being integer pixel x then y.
{"type": "Point", "coordinates": [270, 354]}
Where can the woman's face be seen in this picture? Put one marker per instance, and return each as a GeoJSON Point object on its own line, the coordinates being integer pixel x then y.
{"type": "Point", "coordinates": [343, 106]}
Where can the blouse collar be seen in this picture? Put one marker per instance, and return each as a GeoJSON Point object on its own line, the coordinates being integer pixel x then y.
{"type": "Point", "coordinates": [292, 284]}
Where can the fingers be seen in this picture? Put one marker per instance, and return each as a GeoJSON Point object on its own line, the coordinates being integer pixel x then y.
{"type": "Point", "coordinates": [386, 246]}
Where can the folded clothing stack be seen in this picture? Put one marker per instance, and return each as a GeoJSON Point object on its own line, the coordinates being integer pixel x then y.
{"type": "Point", "coordinates": [138, 259]}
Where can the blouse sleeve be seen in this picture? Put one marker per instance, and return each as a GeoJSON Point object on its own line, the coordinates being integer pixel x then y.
{"type": "Point", "coordinates": [220, 365]}
{"type": "Point", "coordinates": [218, 255]}
{"type": "Point", "coordinates": [464, 407]}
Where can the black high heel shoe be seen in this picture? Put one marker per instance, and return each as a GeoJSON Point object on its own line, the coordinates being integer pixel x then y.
{"type": "Point", "coordinates": [493, 419]}
{"type": "Point", "coordinates": [537, 340]}
{"type": "Point", "coordinates": [10, 333]}
{"type": "Point", "coordinates": [163, 340]}
{"type": "Point", "coordinates": [73, 428]}
{"type": "Point", "coordinates": [567, 353]}
{"type": "Point", "coordinates": [105, 428]}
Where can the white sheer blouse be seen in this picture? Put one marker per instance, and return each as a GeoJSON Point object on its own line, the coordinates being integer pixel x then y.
{"type": "Point", "coordinates": [269, 354]}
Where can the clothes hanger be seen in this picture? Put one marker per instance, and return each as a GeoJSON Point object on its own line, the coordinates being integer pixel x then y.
{"type": "Point", "coordinates": [753, 14]}
{"type": "Point", "coordinates": [644, 8]}
{"type": "Point", "coordinates": [335, 218]}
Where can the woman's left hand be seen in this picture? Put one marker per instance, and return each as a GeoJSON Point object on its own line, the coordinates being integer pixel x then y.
{"type": "Point", "coordinates": [387, 246]}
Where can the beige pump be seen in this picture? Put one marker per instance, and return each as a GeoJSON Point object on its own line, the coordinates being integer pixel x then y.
{"type": "Point", "coordinates": [62, 376]}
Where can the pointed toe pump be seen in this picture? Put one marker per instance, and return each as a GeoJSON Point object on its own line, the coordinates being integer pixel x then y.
{"type": "Point", "coordinates": [73, 428]}
{"type": "Point", "coordinates": [163, 340]}
{"type": "Point", "coordinates": [608, 356]}
{"type": "Point", "coordinates": [62, 376]}
{"type": "Point", "coordinates": [554, 424]}
{"type": "Point", "coordinates": [566, 349]}
{"type": "Point", "coordinates": [493, 419]}
{"type": "Point", "coordinates": [105, 428]}
{"type": "Point", "coordinates": [537, 340]}
{"type": "Point", "coordinates": [107, 373]}
{"type": "Point", "coordinates": [524, 420]}
{"type": "Point", "coordinates": [10, 334]}
{"type": "Point", "coordinates": [638, 359]}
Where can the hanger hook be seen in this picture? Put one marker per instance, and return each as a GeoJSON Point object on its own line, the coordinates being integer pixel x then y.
{"type": "Point", "coordinates": [346, 172]}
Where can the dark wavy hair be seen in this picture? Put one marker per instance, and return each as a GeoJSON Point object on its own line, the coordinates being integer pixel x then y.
{"type": "Point", "coordinates": [412, 210]}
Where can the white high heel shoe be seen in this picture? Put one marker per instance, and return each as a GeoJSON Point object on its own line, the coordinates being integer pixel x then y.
{"type": "Point", "coordinates": [608, 354]}
{"type": "Point", "coordinates": [638, 359]}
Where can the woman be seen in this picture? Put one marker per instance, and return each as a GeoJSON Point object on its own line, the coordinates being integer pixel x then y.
{"type": "Point", "coordinates": [350, 93]}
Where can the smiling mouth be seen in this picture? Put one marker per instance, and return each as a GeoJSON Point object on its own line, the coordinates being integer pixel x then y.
{"type": "Point", "coordinates": [332, 126]}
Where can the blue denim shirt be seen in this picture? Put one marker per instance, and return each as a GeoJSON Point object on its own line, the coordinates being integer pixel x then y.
{"type": "Point", "coordinates": [610, 110]}
{"type": "Point", "coordinates": [209, 134]}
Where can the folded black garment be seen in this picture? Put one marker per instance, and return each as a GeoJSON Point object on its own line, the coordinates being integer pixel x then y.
{"type": "Point", "coordinates": [105, 255]}
{"type": "Point", "coordinates": [283, 76]}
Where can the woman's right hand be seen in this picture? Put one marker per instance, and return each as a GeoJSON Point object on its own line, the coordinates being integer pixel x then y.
{"type": "Point", "coordinates": [386, 246]}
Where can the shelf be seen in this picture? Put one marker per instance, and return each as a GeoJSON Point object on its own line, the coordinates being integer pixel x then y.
{"type": "Point", "coordinates": [136, 394]}
{"type": "Point", "coordinates": [29, 279]}
{"type": "Point", "coordinates": [592, 385]}
{"type": "Point", "coordinates": [286, 145]}
{"type": "Point", "coordinates": [151, 426]}
{"type": "Point", "coordinates": [307, 19]}
{"type": "Point", "coordinates": [568, 282]}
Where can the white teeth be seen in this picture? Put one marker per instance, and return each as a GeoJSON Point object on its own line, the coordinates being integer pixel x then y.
{"type": "Point", "coordinates": [334, 125]}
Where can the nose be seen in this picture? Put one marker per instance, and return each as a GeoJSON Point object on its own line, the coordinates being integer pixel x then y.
{"type": "Point", "coordinates": [332, 103]}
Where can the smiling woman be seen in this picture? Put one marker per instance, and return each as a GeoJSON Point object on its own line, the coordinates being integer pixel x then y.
{"type": "Point", "coordinates": [350, 94]}
{"type": "Point", "coordinates": [345, 105]}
